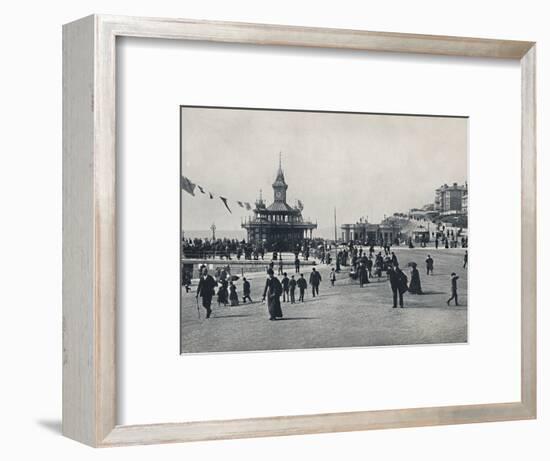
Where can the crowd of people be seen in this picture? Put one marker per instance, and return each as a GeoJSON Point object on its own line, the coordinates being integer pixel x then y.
{"type": "Point", "coordinates": [228, 249]}
{"type": "Point", "coordinates": [274, 289]}
{"type": "Point", "coordinates": [199, 248]}
{"type": "Point", "coordinates": [365, 264]}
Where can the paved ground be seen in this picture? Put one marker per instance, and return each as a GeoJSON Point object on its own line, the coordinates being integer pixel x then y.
{"type": "Point", "coordinates": [342, 316]}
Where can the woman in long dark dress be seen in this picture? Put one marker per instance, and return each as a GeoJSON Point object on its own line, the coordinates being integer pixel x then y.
{"type": "Point", "coordinates": [222, 293]}
{"type": "Point", "coordinates": [233, 295]}
{"type": "Point", "coordinates": [415, 287]}
{"type": "Point", "coordinates": [273, 290]}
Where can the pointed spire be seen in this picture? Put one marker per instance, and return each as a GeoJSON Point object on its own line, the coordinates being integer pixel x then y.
{"type": "Point", "coordinates": [280, 178]}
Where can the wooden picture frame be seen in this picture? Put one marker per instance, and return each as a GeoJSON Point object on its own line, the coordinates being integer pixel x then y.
{"type": "Point", "coordinates": [89, 230]}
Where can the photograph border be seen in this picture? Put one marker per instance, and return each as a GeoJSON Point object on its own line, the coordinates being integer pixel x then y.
{"type": "Point", "coordinates": [308, 111]}
{"type": "Point", "coordinates": [90, 229]}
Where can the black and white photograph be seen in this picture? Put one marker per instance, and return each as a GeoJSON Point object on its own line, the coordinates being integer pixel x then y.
{"type": "Point", "coordinates": [307, 229]}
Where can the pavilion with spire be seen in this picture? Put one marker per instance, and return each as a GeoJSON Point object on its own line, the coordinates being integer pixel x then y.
{"type": "Point", "coordinates": [278, 226]}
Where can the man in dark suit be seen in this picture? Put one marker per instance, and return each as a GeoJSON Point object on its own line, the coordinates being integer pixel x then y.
{"type": "Point", "coordinates": [429, 265]}
{"type": "Point", "coordinates": [280, 264]}
{"type": "Point", "coordinates": [285, 283]}
{"type": "Point", "coordinates": [205, 290]}
{"type": "Point", "coordinates": [454, 289]}
{"type": "Point", "coordinates": [398, 283]}
{"type": "Point", "coordinates": [273, 290]}
{"type": "Point", "coordinates": [314, 281]}
{"type": "Point", "coordinates": [302, 285]}
{"type": "Point", "coordinates": [246, 290]}
{"type": "Point", "coordinates": [292, 288]}
{"type": "Point", "coordinates": [297, 264]}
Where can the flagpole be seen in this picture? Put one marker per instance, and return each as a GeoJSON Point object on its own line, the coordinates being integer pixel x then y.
{"type": "Point", "coordinates": [335, 228]}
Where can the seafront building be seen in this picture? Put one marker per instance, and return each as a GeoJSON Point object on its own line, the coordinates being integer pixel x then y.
{"type": "Point", "coordinates": [278, 226]}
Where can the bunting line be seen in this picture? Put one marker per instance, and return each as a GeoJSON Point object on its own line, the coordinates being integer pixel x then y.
{"type": "Point", "coordinates": [189, 186]}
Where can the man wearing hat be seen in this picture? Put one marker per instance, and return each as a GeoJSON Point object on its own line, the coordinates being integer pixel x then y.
{"type": "Point", "coordinates": [205, 290]}
{"type": "Point", "coordinates": [302, 285]}
{"type": "Point", "coordinates": [429, 265]}
{"type": "Point", "coordinates": [398, 283]}
{"type": "Point", "coordinates": [314, 281]}
{"type": "Point", "coordinates": [454, 289]}
{"type": "Point", "coordinates": [285, 283]}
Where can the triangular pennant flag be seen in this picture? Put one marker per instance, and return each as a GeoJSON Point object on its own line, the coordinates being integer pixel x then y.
{"type": "Point", "coordinates": [211, 195]}
{"type": "Point", "coordinates": [224, 200]}
{"type": "Point", "coordinates": [187, 185]}
{"type": "Point", "coordinates": [240, 204]}
{"type": "Point", "coordinates": [201, 189]}
{"type": "Point", "coordinates": [247, 205]}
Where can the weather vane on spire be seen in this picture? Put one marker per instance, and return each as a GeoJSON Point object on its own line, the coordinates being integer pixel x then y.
{"type": "Point", "coordinates": [280, 161]}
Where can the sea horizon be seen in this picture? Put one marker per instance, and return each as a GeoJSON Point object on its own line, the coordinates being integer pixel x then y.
{"type": "Point", "coordinates": [239, 234]}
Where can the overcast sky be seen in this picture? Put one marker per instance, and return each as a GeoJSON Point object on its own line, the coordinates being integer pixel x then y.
{"type": "Point", "coordinates": [362, 164]}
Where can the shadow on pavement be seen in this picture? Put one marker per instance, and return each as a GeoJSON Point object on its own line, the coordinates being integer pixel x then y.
{"type": "Point", "coordinates": [298, 318]}
{"type": "Point", "coordinates": [230, 316]}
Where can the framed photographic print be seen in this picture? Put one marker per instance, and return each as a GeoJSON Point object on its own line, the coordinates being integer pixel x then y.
{"type": "Point", "coordinates": [275, 230]}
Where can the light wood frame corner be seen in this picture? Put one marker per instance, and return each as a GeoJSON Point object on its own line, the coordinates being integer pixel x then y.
{"type": "Point", "coordinates": [89, 229]}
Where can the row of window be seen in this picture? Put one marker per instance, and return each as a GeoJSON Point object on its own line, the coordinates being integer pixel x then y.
{"type": "Point", "coordinates": [281, 218]}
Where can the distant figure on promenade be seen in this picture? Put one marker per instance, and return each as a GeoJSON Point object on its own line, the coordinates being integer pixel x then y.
{"type": "Point", "coordinates": [394, 260]}
{"type": "Point", "coordinates": [465, 265]}
{"type": "Point", "coordinates": [297, 264]}
{"type": "Point", "coordinates": [398, 283]}
{"type": "Point", "coordinates": [454, 289]}
{"type": "Point", "coordinates": [338, 260]}
{"type": "Point", "coordinates": [362, 274]}
{"type": "Point", "coordinates": [429, 265]}
{"type": "Point", "coordinates": [369, 265]}
{"type": "Point", "coordinates": [415, 286]}
{"type": "Point", "coordinates": [185, 280]}
{"type": "Point", "coordinates": [273, 290]}
{"type": "Point", "coordinates": [206, 290]}
{"type": "Point", "coordinates": [379, 263]}
{"type": "Point", "coordinates": [233, 296]}
{"type": "Point", "coordinates": [314, 281]}
{"type": "Point", "coordinates": [302, 285]}
{"type": "Point", "coordinates": [222, 274]}
{"type": "Point", "coordinates": [246, 291]}
{"type": "Point", "coordinates": [286, 283]}
{"type": "Point", "coordinates": [292, 288]}
{"type": "Point", "coordinates": [223, 294]}
{"type": "Point", "coordinates": [332, 276]}
{"type": "Point", "coordinates": [437, 243]}
{"type": "Point", "coordinates": [280, 265]}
